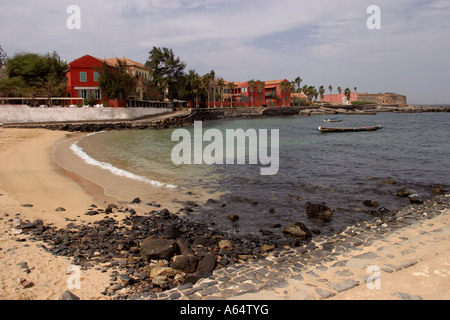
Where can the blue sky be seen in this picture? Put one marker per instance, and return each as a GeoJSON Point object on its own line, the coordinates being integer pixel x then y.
{"type": "Point", "coordinates": [325, 42]}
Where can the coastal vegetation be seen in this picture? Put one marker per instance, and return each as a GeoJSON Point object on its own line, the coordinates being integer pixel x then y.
{"type": "Point", "coordinates": [33, 75]}
{"type": "Point", "coordinates": [116, 83]}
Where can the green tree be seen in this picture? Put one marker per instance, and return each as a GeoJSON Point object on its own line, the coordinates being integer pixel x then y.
{"type": "Point", "coordinates": [321, 92]}
{"type": "Point", "coordinates": [191, 87]}
{"type": "Point", "coordinates": [348, 93]}
{"type": "Point", "coordinates": [116, 82]}
{"type": "Point", "coordinates": [221, 85]}
{"type": "Point", "coordinates": [285, 87]}
{"type": "Point", "coordinates": [231, 86]}
{"type": "Point", "coordinates": [166, 70]}
{"type": "Point", "coordinates": [36, 75]}
{"type": "Point", "coordinates": [339, 89]}
{"type": "Point", "coordinates": [208, 83]}
{"type": "Point", "coordinates": [251, 89]}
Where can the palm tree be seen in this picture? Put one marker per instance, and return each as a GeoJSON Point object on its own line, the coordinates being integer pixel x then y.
{"type": "Point", "coordinates": [321, 92]}
{"type": "Point", "coordinates": [330, 87]}
{"type": "Point", "coordinates": [231, 86]}
{"type": "Point", "coordinates": [339, 89]}
{"type": "Point", "coordinates": [297, 82]}
{"type": "Point", "coordinates": [213, 85]}
{"type": "Point", "coordinates": [261, 86]}
{"type": "Point", "coordinates": [284, 87]}
{"type": "Point", "coordinates": [348, 94]}
{"type": "Point", "coordinates": [206, 79]}
{"type": "Point", "coordinates": [221, 85]}
{"type": "Point", "coordinates": [356, 89]}
{"type": "Point", "coordinates": [251, 88]}
{"type": "Point", "coordinates": [194, 83]}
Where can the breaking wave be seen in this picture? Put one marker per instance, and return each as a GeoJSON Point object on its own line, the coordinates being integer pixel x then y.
{"type": "Point", "coordinates": [114, 170]}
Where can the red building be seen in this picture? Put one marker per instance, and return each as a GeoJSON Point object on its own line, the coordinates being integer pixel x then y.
{"type": "Point", "coordinates": [275, 93]}
{"type": "Point", "coordinates": [83, 76]}
{"type": "Point", "coordinates": [340, 98]}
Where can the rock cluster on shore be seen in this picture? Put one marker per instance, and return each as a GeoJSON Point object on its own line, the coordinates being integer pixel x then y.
{"type": "Point", "coordinates": [151, 253]}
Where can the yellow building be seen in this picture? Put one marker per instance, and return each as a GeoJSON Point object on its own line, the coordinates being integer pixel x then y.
{"type": "Point", "coordinates": [135, 68]}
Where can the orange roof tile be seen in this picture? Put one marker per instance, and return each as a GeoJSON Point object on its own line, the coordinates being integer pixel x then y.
{"type": "Point", "coordinates": [129, 62]}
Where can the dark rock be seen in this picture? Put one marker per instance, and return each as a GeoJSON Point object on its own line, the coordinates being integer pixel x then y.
{"type": "Point", "coordinates": [194, 277]}
{"type": "Point", "coordinates": [136, 201]}
{"type": "Point", "coordinates": [91, 213]}
{"type": "Point", "coordinates": [437, 190]}
{"type": "Point", "coordinates": [208, 263]}
{"type": "Point", "coordinates": [371, 203]}
{"type": "Point", "coordinates": [158, 249]}
{"type": "Point", "coordinates": [204, 242]}
{"type": "Point", "coordinates": [67, 295]}
{"type": "Point", "coordinates": [184, 248]}
{"type": "Point", "coordinates": [298, 229]}
{"type": "Point", "coordinates": [26, 205]}
{"type": "Point", "coordinates": [403, 193]}
{"type": "Point", "coordinates": [60, 209]}
{"type": "Point", "coordinates": [318, 210]}
{"type": "Point", "coordinates": [417, 199]}
{"type": "Point", "coordinates": [187, 263]}
{"type": "Point", "coordinates": [233, 217]}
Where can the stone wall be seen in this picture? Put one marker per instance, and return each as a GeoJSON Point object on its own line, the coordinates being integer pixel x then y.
{"type": "Point", "coordinates": [383, 99]}
{"type": "Point", "coordinates": [10, 114]}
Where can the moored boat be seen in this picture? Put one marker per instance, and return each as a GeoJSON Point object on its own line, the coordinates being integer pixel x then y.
{"type": "Point", "coordinates": [337, 119]}
{"type": "Point", "coordinates": [350, 129]}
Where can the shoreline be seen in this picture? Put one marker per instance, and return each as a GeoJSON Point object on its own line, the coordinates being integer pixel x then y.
{"type": "Point", "coordinates": [186, 117]}
{"type": "Point", "coordinates": [47, 270]}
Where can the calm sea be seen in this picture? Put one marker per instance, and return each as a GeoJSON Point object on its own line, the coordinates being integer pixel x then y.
{"type": "Point", "coordinates": [338, 169]}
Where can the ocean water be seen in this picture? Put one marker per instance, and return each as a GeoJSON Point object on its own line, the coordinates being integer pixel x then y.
{"type": "Point", "coordinates": [337, 169]}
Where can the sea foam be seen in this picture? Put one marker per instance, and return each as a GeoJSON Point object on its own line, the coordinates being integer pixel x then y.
{"type": "Point", "coordinates": [114, 170]}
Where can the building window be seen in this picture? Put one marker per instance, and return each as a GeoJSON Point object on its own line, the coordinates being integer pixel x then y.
{"type": "Point", "coordinates": [83, 77]}
{"type": "Point", "coordinates": [96, 76]}
{"type": "Point", "coordinates": [97, 94]}
{"type": "Point", "coordinates": [85, 94]}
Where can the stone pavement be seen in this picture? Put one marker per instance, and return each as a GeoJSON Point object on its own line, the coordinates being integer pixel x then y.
{"type": "Point", "coordinates": [363, 258]}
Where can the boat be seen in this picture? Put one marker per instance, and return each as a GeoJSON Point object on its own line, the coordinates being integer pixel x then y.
{"type": "Point", "coordinates": [350, 129]}
{"type": "Point", "coordinates": [337, 119]}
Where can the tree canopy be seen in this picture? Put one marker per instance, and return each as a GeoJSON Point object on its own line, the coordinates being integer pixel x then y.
{"type": "Point", "coordinates": [166, 70]}
{"type": "Point", "coordinates": [116, 82]}
{"type": "Point", "coordinates": [34, 74]}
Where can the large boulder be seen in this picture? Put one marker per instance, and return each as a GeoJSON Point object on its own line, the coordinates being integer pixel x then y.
{"type": "Point", "coordinates": [208, 263]}
{"type": "Point", "coordinates": [188, 263]}
{"type": "Point", "coordinates": [298, 230]}
{"type": "Point", "coordinates": [318, 210]}
{"type": "Point", "coordinates": [158, 249]}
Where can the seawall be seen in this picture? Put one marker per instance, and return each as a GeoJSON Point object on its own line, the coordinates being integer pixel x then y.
{"type": "Point", "coordinates": [22, 114]}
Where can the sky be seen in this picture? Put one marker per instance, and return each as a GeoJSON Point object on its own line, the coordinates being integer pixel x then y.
{"type": "Point", "coordinates": [324, 42]}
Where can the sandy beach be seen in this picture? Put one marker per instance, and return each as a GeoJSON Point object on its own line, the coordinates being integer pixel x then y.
{"type": "Point", "coordinates": [28, 176]}
{"type": "Point", "coordinates": [32, 187]}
